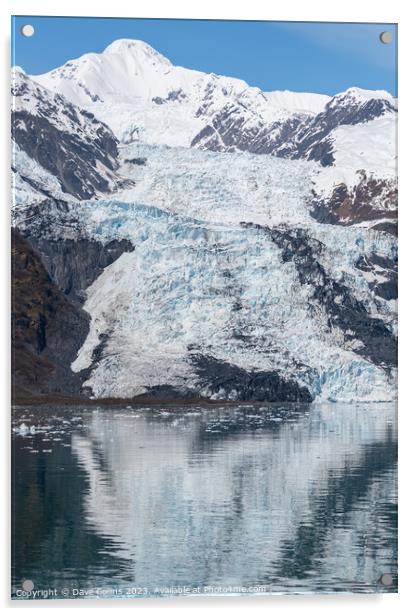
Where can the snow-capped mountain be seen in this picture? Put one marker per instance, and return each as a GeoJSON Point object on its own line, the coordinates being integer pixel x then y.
{"type": "Point", "coordinates": [245, 248]}
{"type": "Point", "coordinates": [355, 106]}
{"type": "Point", "coordinates": [161, 104]}
{"type": "Point", "coordinates": [206, 110]}
{"type": "Point", "coordinates": [134, 70]}
{"type": "Point", "coordinates": [167, 104]}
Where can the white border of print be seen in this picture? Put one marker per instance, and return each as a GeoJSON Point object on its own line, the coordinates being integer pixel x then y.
{"type": "Point", "coordinates": [301, 10]}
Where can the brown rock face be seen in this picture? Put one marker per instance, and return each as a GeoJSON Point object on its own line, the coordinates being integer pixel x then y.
{"type": "Point", "coordinates": [47, 329]}
{"type": "Point", "coordinates": [371, 200]}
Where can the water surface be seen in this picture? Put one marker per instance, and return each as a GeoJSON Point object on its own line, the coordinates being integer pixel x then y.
{"type": "Point", "coordinates": [157, 501]}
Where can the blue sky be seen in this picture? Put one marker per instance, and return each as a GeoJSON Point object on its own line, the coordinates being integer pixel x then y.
{"type": "Point", "coordinates": [299, 56]}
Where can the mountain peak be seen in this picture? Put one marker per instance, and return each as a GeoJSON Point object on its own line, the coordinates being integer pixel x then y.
{"type": "Point", "coordinates": [361, 95]}
{"type": "Point", "coordinates": [136, 49]}
{"type": "Point", "coordinates": [17, 70]}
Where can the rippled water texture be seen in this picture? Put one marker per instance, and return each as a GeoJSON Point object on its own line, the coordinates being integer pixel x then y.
{"type": "Point", "coordinates": [281, 499]}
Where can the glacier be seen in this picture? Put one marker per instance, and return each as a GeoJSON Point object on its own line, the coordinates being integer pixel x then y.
{"type": "Point", "coordinates": [198, 283]}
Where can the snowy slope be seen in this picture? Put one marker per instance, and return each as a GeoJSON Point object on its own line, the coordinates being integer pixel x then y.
{"type": "Point", "coordinates": [127, 68]}
{"type": "Point", "coordinates": [301, 102]}
{"type": "Point", "coordinates": [371, 147]}
{"type": "Point", "coordinates": [361, 186]}
{"type": "Point", "coordinates": [67, 141]}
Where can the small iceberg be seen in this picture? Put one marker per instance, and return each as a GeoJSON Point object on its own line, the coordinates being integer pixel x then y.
{"type": "Point", "coordinates": [23, 429]}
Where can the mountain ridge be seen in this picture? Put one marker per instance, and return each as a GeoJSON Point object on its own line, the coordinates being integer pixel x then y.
{"type": "Point", "coordinates": [174, 105]}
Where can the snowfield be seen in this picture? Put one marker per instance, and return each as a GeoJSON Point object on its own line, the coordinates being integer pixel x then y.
{"type": "Point", "coordinates": [371, 147]}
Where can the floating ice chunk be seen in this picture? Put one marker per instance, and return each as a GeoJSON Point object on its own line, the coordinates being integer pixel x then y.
{"type": "Point", "coordinates": [23, 429]}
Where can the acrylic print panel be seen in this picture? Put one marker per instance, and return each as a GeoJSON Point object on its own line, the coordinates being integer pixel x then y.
{"type": "Point", "coordinates": [204, 308]}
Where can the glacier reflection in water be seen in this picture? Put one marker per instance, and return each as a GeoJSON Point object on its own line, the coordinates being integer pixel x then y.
{"type": "Point", "coordinates": [159, 501]}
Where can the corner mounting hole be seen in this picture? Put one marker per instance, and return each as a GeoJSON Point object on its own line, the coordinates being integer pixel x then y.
{"type": "Point", "coordinates": [28, 585]}
{"type": "Point", "coordinates": [27, 30]}
{"type": "Point", "coordinates": [385, 37]}
{"type": "Point", "coordinates": [386, 579]}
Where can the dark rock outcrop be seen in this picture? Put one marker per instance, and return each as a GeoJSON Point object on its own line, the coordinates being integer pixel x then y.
{"type": "Point", "coordinates": [69, 142]}
{"type": "Point", "coordinates": [227, 132]}
{"type": "Point", "coordinates": [140, 161]}
{"type": "Point", "coordinates": [344, 311]}
{"type": "Point", "coordinates": [73, 265]}
{"type": "Point", "coordinates": [48, 323]}
{"type": "Point", "coordinates": [237, 128]}
{"type": "Point", "coordinates": [383, 268]}
{"type": "Point", "coordinates": [47, 329]}
{"type": "Point", "coordinates": [173, 95]}
{"type": "Point", "coordinates": [370, 200]}
{"type": "Point", "coordinates": [226, 379]}
{"type": "Point", "coordinates": [344, 109]}
{"type": "Point", "coordinates": [64, 155]}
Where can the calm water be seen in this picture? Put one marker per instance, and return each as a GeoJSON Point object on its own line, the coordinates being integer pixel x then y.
{"type": "Point", "coordinates": [126, 502]}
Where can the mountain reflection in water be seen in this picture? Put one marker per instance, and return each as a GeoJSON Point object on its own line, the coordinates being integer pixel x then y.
{"type": "Point", "coordinates": [292, 499]}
